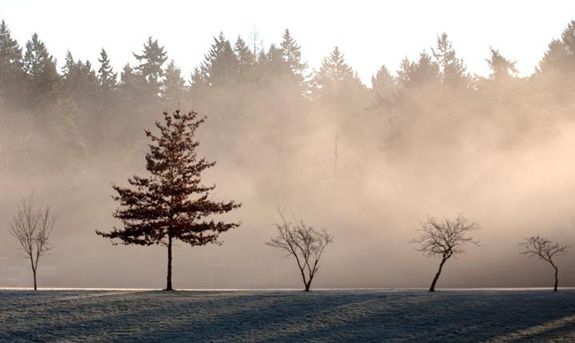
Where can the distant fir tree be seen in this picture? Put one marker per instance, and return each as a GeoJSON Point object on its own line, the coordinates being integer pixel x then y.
{"type": "Point", "coordinates": [221, 66]}
{"type": "Point", "coordinates": [291, 53]}
{"type": "Point", "coordinates": [560, 56]}
{"type": "Point", "coordinates": [555, 75]}
{"type": "Point", "coordinates": [383, 88]}
{"type": "Point", "coordinates": [171, 203]}
{"type": "Point", "coordinates": [136, 104]}
{"type": "Point", "coordinates": [131, 84]}
{"type": "Point", "coordinates": [424, 73]}
{"type": "Point", "coordinates": [174, 88]}
{"type": "Point", "coordinates": [80, 82]}
{"type": "Point", "coordinates": [40, 69]}
{"type": "Point", "coordinates": [12, 80]}
{"type": "Point", "coordinates": [501, 68]}
{"type": "Point", "coordinates": [274, 62]}
{"type": "Point", "coordinates": [108, 100]}
{"type": "Point", "coordinates": [150, 65]}
{"type": "Point", "coordinates": [453, 71]}
{"type": "Point", "coordinates": [245, 57]}
{"type": "Point", "coordinates": [335, 78]}
{"type": "Point", "coordinates": [106, 75]}
{"type": "Point", "coordinates": [198, 86]}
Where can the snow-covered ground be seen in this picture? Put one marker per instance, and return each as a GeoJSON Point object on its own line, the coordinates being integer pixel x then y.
{"type": "Point", "coordinates": [287, 316]}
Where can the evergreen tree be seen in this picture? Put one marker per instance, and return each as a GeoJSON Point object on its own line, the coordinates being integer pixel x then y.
{"type": "Point", "coordinates": [453, 73]}
{"type": "Point", "coordinates": [291, 53]}
{"type": "Point", "coordinates": [40, 69]}
{"type": "Point", "coordinates": [79, 80]}
{"type": "Point", "coordinates": [131, 83]}
{"type": "Point", "coordinates": [171, 203]}
{"type": "Point", "coordinates": [383, 88]}
{"type": "Point", "coordinates": [108, 100]}
{"type": "Point", "coordinates": [501, 68]}
{"type": "Point", "coordinates": [174, 89]}
{"type": "Point", "coordinates": [555, 75]}
{"type": "Point", "coordinates": [221, 66]}
{"type": "Point", "coordinates": [198, 85]}
{"type": "Point", "coordinates": [150, 65]}
{"type": "Point", "coordinates": [274, 62]}
{"type": "Point", "coordinates": [106, 76]}
{"type": "Point", "coordinates": [245, 57]}
{"type": "Point", "coordinates": [417, 75]}
{"type": "Point", "coordinates": [81, 85]}
{"type": "Point", "coordinates": [335, 78]}
{"type": "Point", "coordinates": [12, 81]}
{"type": "Point", "coordinates": [135, 104]}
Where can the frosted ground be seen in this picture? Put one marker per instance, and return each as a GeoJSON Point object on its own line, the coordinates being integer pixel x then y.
{"type": "Point", "coordinates": [287, 316]}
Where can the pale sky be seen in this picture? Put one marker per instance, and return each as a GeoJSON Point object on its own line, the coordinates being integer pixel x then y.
{"type": "Point", "coordinates": [369, 33]}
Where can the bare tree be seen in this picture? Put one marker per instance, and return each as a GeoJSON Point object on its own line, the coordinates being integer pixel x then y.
{"type": "Point", "coordinates": [544, 249]}
{"type": "Point", "coordinates": [304, 243]}
{"type": "Point", "coordinates": [444, 238]}
{"type": "Point", "coordinates": [32, 228]}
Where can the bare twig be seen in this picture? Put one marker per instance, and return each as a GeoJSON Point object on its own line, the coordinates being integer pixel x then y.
{"type": "Point", "coordinates": [304, 243]}
{"type": "Point", "coordinates": [545, 250]}
{"type": "Point", "coordinates": [444, 238]}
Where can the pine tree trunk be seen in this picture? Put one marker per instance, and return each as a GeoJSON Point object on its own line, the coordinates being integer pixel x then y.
{"type": "Point", "coordinates": [169, 278]}
{"type": "Point", "coordinates": [432, 288]}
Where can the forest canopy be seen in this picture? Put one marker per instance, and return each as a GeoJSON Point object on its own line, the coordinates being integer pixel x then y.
{"type": "Point", "coordinates": [57, 117]}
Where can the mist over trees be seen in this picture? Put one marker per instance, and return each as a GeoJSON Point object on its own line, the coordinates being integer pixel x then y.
{"type": "Point", "coordinates": [89, 109]}
{"type": "Point", "coordinates": [380, 154]}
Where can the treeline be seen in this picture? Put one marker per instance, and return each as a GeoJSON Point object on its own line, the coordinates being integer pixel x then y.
{"type": "Point", "coordinates": [263, 104]}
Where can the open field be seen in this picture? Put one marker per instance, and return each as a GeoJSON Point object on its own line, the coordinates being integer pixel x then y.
{"type": "Point", "coordinates": [287, 316]}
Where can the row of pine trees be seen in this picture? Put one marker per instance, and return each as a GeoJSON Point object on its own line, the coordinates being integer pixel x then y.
{"type": "Point", "coordinates": [269, 101]}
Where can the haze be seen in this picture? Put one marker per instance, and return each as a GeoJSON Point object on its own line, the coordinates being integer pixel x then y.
{"type": "Point", "coordinates": [474, 133]}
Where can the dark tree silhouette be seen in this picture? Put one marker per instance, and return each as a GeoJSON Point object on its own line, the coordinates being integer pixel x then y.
{"type": "Point", "coordinates": [32, 228]}
{"type": "Point", "coordinates": [304, 243]}
{"type": "Point", "coordinates": [544, 249]}
{"type": "Point", "coordinates": [171, 203]}
{"type": "Point", "coordinates": [444, 238]}
{"type": "Point", "coordinates": [41, 73]}
{"type": "Point", "coordinates": [12, 83]}
{"type": "Point", "coordinates": [150, 66]}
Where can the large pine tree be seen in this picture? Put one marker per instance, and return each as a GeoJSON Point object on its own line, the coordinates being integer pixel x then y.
{"type": "Point", "coordinates": [171, 203]}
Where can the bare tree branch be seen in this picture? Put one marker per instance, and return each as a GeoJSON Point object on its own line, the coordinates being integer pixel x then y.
{"type": "Point", "coordinates": [304, 243]}
{"type": "Point", "coordinates": [545, 250]}
{"type": "Point", "coordinates": [32, 229]}
{"type": "Point", "coordinates": [444, 238]}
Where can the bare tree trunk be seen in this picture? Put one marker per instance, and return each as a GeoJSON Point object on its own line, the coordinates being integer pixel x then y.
{"type": "Point", "coordinates": [34, 274]}
{"type": "Point", "coordinates": [308, 283]}
{"type": "Point", "coordinates": [432, 288]}
{"type": "Point", "coordinates": [169, 279]}
{"type": "Point", "coordinates": [556, 279]}
{"type": "Point", "coordinates": [305, 282]}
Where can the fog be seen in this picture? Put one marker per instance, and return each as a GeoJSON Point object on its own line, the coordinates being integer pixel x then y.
{"type": "Point", "coordinates": [367, 162]}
